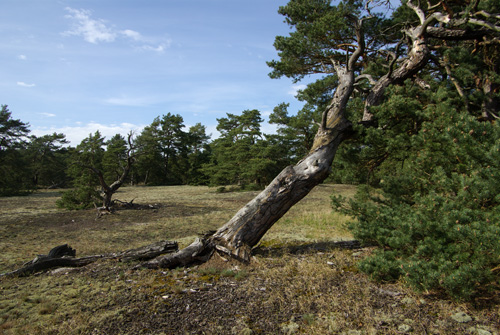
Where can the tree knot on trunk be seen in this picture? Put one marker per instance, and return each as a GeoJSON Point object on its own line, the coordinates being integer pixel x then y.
{"type": "Point", "coordinates": [339, 130]}
{"type": "Point", "coordinates": [285, 179]}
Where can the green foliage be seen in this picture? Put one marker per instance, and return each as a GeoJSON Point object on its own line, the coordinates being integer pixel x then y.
{"type": "Point", "coordinates": [81, 197]}
{"type": "Point", "coordinates": [85, 193]}
{"type": "Point", "coordinates": [48, 160]}
{"type": "Point", "coordinates": [295, 132]}
{"type": "Point", "coordinates": [319, 27]}
{"type": "Point", "coordinates": [14, 165]}
{"type": "Point", "coordinates": [199, 153]}
{"type": "Point", "coordinates": [241, 155]}
{"type": "Point", "coordinates": [436, 213]}
{"type": "Point", "coordinates": [430, 158]}
{"type": "Point", "coordinates": [164, 144]}
{"type": "Point", "coordinates": [11, 130]}
{"type": "Point", "coordinates": [15, 173]}
{"type": "Point", "coordinates": [114, 158]}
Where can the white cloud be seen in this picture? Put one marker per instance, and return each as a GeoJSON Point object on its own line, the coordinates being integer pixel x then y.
{"type": "Point", "coordinates": [136, 36]}
{"type": "Point", "coordinates": [211, 130]}
{"type": "Point", "coordinates": [22, 57]}
{"type": "Point", "coordinates": [48, 114]}
{"type": "Point", "coordinates": [75, 134]}
{"type": "Point", "coordinates": [269, 129]}
{"type": "Point", "coordinates": [296, 88]}
{"type": "Point", "coordinates": [160, 48]}
{"type": "Point", "coordinates": [96, 30]}
{"type": "Point", "coordinates": [92, 31]}
{"type": "Point", "coordinates": [23, 84]}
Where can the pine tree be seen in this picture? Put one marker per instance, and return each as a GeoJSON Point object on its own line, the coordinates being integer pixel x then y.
{"type": "Point", "coordinates": [242, 155]}
{"type": "Point", "coordinates": [114, 158]}
{"type": "Point", "coordinates": [436, 210]}
{"type": "Point", "coordinates": [85, 193]}
{"type": "Point", "coordinates": [296, 132]}
{"type": "Point", "coordinates": [14, 164]}
{"type": "Point", "coordinates": [164, 147]}
{"type": "Point", "coordinates": [199, 154]}
{"type": "Point", "coordinates": [47, 158]}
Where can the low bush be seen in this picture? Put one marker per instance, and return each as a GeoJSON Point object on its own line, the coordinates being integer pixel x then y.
{"type": "Point", "coordinates": [435, 215]}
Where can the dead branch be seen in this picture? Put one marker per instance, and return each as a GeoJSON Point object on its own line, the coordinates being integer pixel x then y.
{"type": "Point", "coordinates": [64, 256]}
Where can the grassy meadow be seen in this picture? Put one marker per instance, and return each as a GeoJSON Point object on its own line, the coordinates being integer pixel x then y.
{"type": "Point", "coordinates": [297, 283]}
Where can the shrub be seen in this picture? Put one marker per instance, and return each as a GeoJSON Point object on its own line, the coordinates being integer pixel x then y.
{"type": "Point", "coordinates": [79, 198]}
{"type": "Point", "coordinates": [436, 214]}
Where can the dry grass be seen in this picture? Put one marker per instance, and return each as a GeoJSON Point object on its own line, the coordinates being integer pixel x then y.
{"type": "Point", "coordinates": [312, 219]}
{"type": "Point", "coordinates": [32, 225]}
{"type": "Point", "coordinates": [297, 283]}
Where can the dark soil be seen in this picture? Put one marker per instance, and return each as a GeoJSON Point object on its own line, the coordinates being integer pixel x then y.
{"type": "Point", "coordinates": [211, 299]}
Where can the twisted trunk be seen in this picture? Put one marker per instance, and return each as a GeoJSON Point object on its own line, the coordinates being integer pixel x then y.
{"type": "Point", "coordinates": [250, 223]}
{"type": "Point", "coordinates": [240, 234]}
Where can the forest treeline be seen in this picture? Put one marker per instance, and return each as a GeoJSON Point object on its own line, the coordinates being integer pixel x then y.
{"type": "Point", "coordinates": [166, 152]}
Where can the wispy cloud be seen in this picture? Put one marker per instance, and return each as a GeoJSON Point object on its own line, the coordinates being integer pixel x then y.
{"type": "Point", "coordinates": [98, 30]}
{"type": "Point", "coordinates": [295, 89]}
{"type": "Point", "coordinates": [23, 84]}
{"type": "Point", "coordinates": [48, 114]}
{"type": "Point", "coordinates": [160, 48]}
{"type": "Point", "coordinates": [136, 36]}
{"type": "Point", "coordinates": [22, 57]}
{"type": "Point", "coordinates": [92, 31]}
{"type": "Point", "coordinates": [75, 134]}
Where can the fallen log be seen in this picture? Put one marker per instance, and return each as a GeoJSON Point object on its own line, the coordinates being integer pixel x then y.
{"type": "Point", "coordinates": [148, 252]}
{"type": "Point", "coordinates": [64, 256]}
{"type": "Point", "coordinates": [197, 252]}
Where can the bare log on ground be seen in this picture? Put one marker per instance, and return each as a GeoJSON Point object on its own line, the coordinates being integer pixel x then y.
{"type": "Point", "coordinates": [119, 205]}
{"type": "Point", "coordinates": [64, 256]}
{"type": "Point", "coordinates": [147, 252]}
{"type": "Point", "coordinates": [197, 252]}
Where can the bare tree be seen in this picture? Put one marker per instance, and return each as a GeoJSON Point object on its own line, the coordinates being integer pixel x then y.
{"type": "Point", "coordinates": [435, 24]}
{"type": "Point", "coordinates": [125, 165]}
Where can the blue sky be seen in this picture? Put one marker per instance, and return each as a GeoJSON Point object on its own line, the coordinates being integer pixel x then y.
{"type": "Point", "coordinates": [76, 66]}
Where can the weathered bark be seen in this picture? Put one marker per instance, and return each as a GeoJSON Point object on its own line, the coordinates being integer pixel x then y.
{"type": "Point", "coordinates": [147, 252]}
{"type": "Point", "coordinates": [250, 223]}
{"type": "Point", "coordinates": [239, 235]}
{"type": "Point", "coordinates": [109, 190]}
{"type": "Point", "coordinates": [64, 256]}
{"type": "Point", "coordinates": [456, 34]}
{"type": "Point", "coordinates": [419, 53]}
{"type": "Point", "coordinates": [197, 252]}
{"type": "Point", "coordinates": [416, 60]}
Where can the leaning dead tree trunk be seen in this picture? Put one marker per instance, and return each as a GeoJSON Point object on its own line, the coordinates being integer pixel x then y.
{"type": "Point", "coordinates": [240, 234]}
